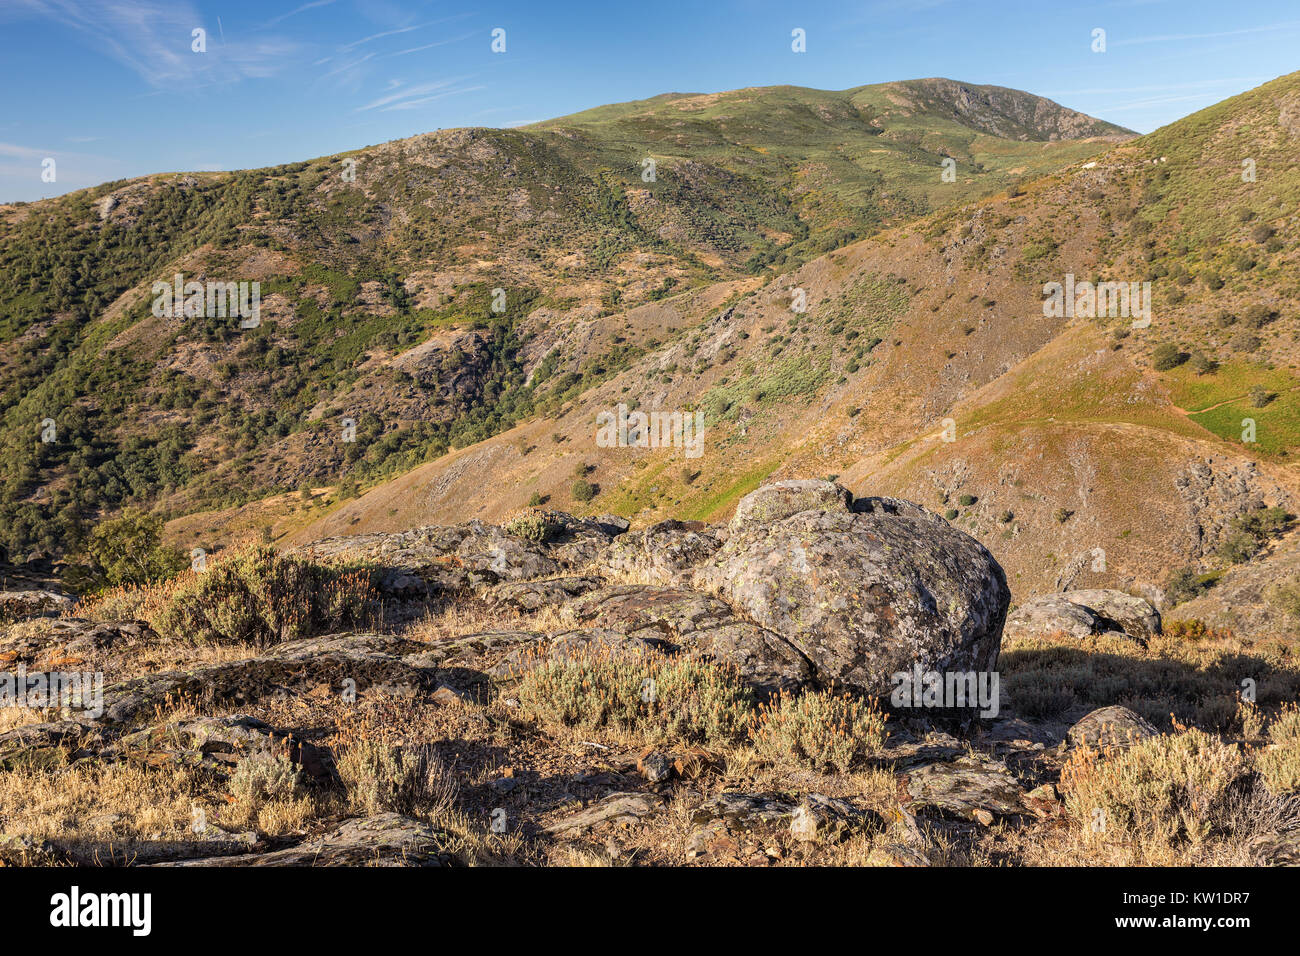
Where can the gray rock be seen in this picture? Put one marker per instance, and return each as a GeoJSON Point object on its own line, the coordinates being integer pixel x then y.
{"type": "Point", "coordinates": [1110, 727]}
{"type": "Point", "coordinates": [618, 808]}
{"type": "Point", "coordinates": [386, 839]}
{"type": "Point", "coordinates": [1051, 614]}
{"type": "Point", "coordinates": [19, 605]}
{"type": "Point", "coordinates": [1134, 616]}
{"type": "Point", "coordinates": [968, 788]}
{"type": "Point", "coordinates": [865, 596]}
{"type": "Point", "coordinates": [781, 499]}
{"type": "Point", "coordinates": [663, 553]}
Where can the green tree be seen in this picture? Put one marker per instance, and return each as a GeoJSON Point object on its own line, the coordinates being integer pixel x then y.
{"type": "Point", "coordinates": [129, 550]}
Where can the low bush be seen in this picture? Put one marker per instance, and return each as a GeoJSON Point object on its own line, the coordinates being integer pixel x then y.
{"type": "Point", "coordinates": [820, 730]}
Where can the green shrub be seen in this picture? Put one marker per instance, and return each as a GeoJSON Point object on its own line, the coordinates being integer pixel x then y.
{"type": "Point", "coordinates": [383, 776]}
{"type": "Point", "coordinates": [534, 525]}
{"type": "Point", "coordinates": [951, 514]}
{"type": "Point", "coordinates": [584, 490]}
{"type": "Point", "coordinates": [1238, 547]}
{"type": "Point", "coordinates": [1184, 585]}
{"type": "Point", "coordinates": [261, 597]}
{"type": "Point", "coordinates": [1260, 396]}
{"type": "Point", "coordinates": [966, 500]}
{"type": "Point", "coordinates": [129, 550]}
{"type": "Point", "coordinates": [1166, 356]}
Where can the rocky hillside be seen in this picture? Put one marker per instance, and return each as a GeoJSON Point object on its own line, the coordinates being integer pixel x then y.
{"type": "Point", "coordinates": [563, 690]}
{"type": "Point", "coordinates": [1083, 450]}
{"type": "Point", "coordinates": [379, 273]}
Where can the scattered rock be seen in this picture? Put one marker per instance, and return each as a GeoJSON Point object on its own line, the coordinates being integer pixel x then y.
{"type": "Point", "coordinates": [654, 766]}
{"type": "Point", "coordinates": [1052, 614]}
{"type": "Point", "coordinates": [1110, 727]}
{"type": "Point", "coordinates": [969, 788]}
{"type": "Point", "coordinates": [386, 839]}
{"type": "Point", "coordinates": [1118, 611]}
{"type": "Point", "coordinates": [619, 808]}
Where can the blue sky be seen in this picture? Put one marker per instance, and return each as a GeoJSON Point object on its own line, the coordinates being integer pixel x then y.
{"type": "Point", "coordinates": [112, 88]}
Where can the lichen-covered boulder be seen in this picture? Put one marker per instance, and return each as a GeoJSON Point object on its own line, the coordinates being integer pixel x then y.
{"type": "Point", "coordinates": [662, 553]}
{"type": "Point", "coordinates": [1052, 614]}
{"type": "Point", "coordinates": [1134, 616]}
{"type": "Point", "coordinates": [866, 595]}
{"type": "Point", "coordinates": [781, 499]}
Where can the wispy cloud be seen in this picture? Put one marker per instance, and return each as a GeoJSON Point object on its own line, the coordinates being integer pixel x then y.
{"type": "Point", "coordinates": [153, 38]}
{"type": "Point", "coordinates": [409, 97]}
{"type": "Point", "coordinates": [297, 10]}
{"type": "Point", "coordinates": [1179, 37]}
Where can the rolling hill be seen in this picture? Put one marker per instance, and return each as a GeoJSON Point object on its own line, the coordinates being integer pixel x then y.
{"type": "Point", "coordinates": [433, 292]}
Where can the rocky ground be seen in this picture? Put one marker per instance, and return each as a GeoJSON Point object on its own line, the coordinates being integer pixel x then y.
{"type": "Point", "coordinates": [483, 714]}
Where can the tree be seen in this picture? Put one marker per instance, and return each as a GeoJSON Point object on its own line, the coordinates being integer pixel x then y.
{"type": "Point", "coordinates": [129, 550]}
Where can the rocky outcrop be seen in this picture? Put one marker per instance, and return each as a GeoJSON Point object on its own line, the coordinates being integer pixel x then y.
{"type": "Point", "coordinates": [664, 553]}
{"type": "Point", "coordinates": [386, 839]}
{"type": "Point", "coordinates": [864, 595]}
{"type": "Point", "coordinates": [785, 498]}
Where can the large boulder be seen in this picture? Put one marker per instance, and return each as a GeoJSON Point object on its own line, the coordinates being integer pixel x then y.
{"type": "Point", "coordinates": [868, 594]}
{"type": "Point", "coordinates": [1135, 616]}
{"type": "Point", "coordinates": [1052, 614]}
{"type": "Point", "coordinates": [662, 553]}
{"type": "Point", "coordinates": [784, 498]}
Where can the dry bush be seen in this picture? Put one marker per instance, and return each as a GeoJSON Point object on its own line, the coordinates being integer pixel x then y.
{"type": "Point", "coordinates": [1279, 762]}
{"type": "Point", "coordinates": [253, 595]}
{"type": "Point", "coordinates": [1162, 792]}
{"type": "Point", "coordinates": [1195, 678]}
{"type": "Point", "coordinates": [651, 697]}
{"type": "Point", "coordinates": [381, 776]}
{"type": "Point", "coordinates": [820, 730]}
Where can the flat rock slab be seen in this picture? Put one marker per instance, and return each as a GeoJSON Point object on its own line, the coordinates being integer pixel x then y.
{"type": "Point", "coordinates": [967, 788]}
{"type": "Point", "coordinates": [617, 808]}
{"type": "Point", "coordinates": [386, 839]}
{"type": "Point", "coordinates": [50, 744]}
{"type": "Point", "coordinates": [367, 661]}
{"type": "Point", "coordinates": [221, 742]}
{"type": "Point", "coordinates": [548, 592]}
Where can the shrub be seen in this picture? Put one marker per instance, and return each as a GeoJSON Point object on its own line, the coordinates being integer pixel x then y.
{"type": "Point", "coordinates": [1062, 515]}
{"type": "Point", "coordinates": [966, 500]}
{"type": "Point", "coordinates": [584, 490]}
{"type": "Point", "coordinates": [534, 525]}
{"type": "Point", "coordinates": [1257, 316]}
{"type": "Point", "coordinates": [1006, 517]}
{"type": "Point", "coordinates": [1202, 364]}
{"type": "Point", "coordinates": [1162, 791]}
{"type": "Point", "coordinates": [1279, 763]}
{"type": "Point", "coordinates": [1286, 598]}
{"type": "Point", "coordinates": [1238, 547]}
{"type": "Point", "coordinates": [381, 776]}
{"type": "Point", "coordinates": [650, 696]}
{"type": "Point", "coordinates": [1166, 356]}
{"type": "Point", "coordinates": [1244, 342]}
{"type": "Point", "coordinates": [261, 779]}
{"type": "Point", "coordinates": [820, 730]}
{"type": "Point", "coordinates": [951, 514]}
{"type": "Point", "coordinates": [129, 550]}
{"type": "Point", "coordinates": [1184, 585]}
{"type": "Point", "coordinates": [1260, 396]}
{"type": "Point", "coordinates": [259, 596]}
